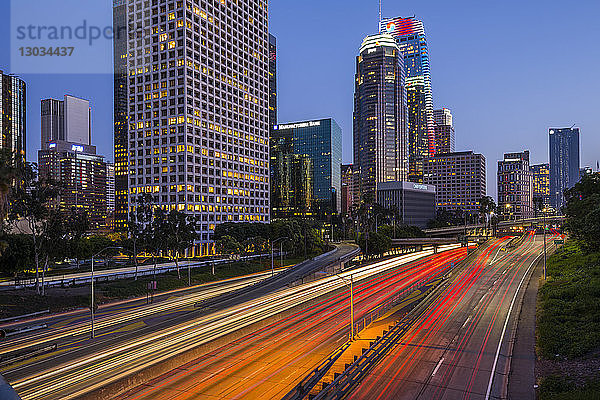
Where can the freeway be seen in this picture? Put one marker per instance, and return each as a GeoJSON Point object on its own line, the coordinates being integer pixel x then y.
{"type": "Point", "coordinates": [460, 346]}
{"type": "Point", "coordinates": [86, 365]}
{"type": "Point", "coordinates": [270, 362]}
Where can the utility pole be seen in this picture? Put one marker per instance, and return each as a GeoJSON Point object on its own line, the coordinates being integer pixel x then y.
{"type": "Point", "coordinates": [544, 219]}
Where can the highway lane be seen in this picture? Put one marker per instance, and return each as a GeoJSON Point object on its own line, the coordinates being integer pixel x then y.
{"type": "Point", "coordinates": [270, 362]}
{"type": "Point", "coordinates": [459, 347]}
{"type": "Point", "coordinates": [77, 371]}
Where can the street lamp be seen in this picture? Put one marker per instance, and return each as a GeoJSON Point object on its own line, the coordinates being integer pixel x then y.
{"type": "Point", "coordinates": [544, 219]}
{"type": "Point", "coordinates": [92, 303]}
{"type": "Point", "coordinates": [351, 284]}
{"type": "Point", "coordinates": [280, 251]}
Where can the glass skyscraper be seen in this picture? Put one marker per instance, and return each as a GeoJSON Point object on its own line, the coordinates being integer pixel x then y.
{"type": "Point", "coordinates": [317, 147]}
{"type": "Point", "coordinates": [12, 114]}
{"type": "Point", "coordinates": [564, 163]}
{"type": "Point", "coordinates": [410, 36]}
{"type": "Point", "coordinates": [380, 116]}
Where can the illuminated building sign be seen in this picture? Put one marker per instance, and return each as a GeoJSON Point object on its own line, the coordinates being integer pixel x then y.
{"type": "Point", "coordinates": [52, 145]}
{"type": "Point", "coordinates": [420, 186]}
{"type": "Point", "coordinates": [298, 125]}
{"type": "Point", "coordinates": [77, 148]}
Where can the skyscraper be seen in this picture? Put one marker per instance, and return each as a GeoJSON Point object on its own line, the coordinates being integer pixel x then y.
{"type": "Point", "coordinates": [348, 187]}
{"type": "Point", "coordinates": [444, 131]}
{"type": "Point", "coordinates": [564, 163]}
{"type": "Point", "coordinates": [515, 186]}
{"type": "Point", "coordinates": [410, 36]}
{"type": "Point", "coordinates": [316, 147]}
{"type": "Point", "coordinates": [68, 120]}
{"type": "Point", "coordinates": [13, 115]}
{"type": "Point", "coordinates": [541, 183]}
{"type": "Point", "coordinates": [380, 116]}
{"type": "Point", "coordinates": [194, 125]}
{"type": "Point", "coordinates": [272, 81]}
{"type": "Point", "coordinates": [459, 178]}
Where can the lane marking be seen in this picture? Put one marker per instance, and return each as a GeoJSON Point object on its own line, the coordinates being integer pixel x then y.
{"type": "Point", "coordinates": [439, 364]}
{"type": "Point", "coordinates": [491, 381]}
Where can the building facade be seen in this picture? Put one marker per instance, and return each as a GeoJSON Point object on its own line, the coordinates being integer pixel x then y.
{"type": "Point", "coordinates": [415, 202]}
{"type": "Point", "coordinates": [13, 105]}
{"type": "Point", "coordinates": [67, 120]}
{"type": "Point", "coordinates": [380, 116]}
{"type": "Point", "coordinates": [460, 180]}
{"type": "Point", "coordinates": [515, 187]}
{"type": "Point", "coordinates": [444, 131]}
{"type": "Point", "coordinates": [564, 163]}
{"type": "Point", "coordinates": [272, 81]}
{"type": "Point", "coordinates": [541, 184]}
{"type": "Point", "coordinates": [410, 36]}
{"type": "Point", "coordinates": [192, 109]}
{"type": "Point", "coordinates": [348, 187]}
{"type": "Point", "coordinates": [315, 148]}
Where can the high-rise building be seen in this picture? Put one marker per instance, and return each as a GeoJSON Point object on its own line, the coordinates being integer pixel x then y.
{"type": "Point", "coordinates": [272, 81]}
{"type": "Point", "coordinates": [319, 142]}
{"type": "Point", "coordinates": [515, 187]}
{"type": "Point", "coordinates": [81, 175]}
{"type": "Point", "coordinates": [564, 163]}
{"type": "Point", "coordinates": [380, 116]}
{"type": "Point", "coordinates": [444, 131]}
{"type": "Point", "coordinates": [459, 178]}
{"type": "Point", "coordinates": [410, 36]}
{"type": "Point", "coordinates": [414, 202]}
{"type": "Point", "coordinates": [541, 183]}
{"type": "Point", "coordinates": [13, 104]}
{"type": "Point", "coordinates": [192, 109]}
{"type": "Point", "coordinates": [68, 120]}
{"type": "Point", "coordinates": [68, 157]}
{"type": "Point", "coordinates": [110, 188]}
{"type": "Point", "coordinates": [348, 187]}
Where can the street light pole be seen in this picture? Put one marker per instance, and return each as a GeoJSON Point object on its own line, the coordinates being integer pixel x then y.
{"type": "Point", "coordinates": [544, 218]}
{"type": "Point", "coordinates": [92, 285]}
{"type": "Point", "coordinates": [281, 253]}
{"type": "Point", "coordinates": [351, 302]}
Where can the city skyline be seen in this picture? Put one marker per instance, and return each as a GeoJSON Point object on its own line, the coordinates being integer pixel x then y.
{"type": "Point", "coordinates": [475, 91]}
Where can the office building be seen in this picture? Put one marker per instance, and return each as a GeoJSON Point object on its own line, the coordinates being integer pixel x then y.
{"type": "Point", "coordinates": [81, 175]}
{"type": "Point", "coordinates": [541, 184]}
{"type": "Point", "coordinates": [380, 116]}
{"type": "Point", "coordinates": [515, 187]}
{"type": "Point", "coordinates": [410, 36]}
{"type": "Point", "coordinates": [272, 81]}
{"type": "Point", "coordinates": [13, 104]}
{"type": "Point", "coordinates": [444, 131]}
{"type": "Point", "coordinates": [564, 163]}
{"type": "Point", "coordinates": [192, 109]}
{"type": "Point", "coordinates": [67, 120]}
{"type": "Point", "coordinates": [317, 147]}
{"type": "Point", "coordinates": [348, 187]}
{"type": "Point", "coordinates": [110, 188]}
{"type": "Point", "coordinates": [460, 180]}
{"type": "Point", "coordinates": [415, 202]}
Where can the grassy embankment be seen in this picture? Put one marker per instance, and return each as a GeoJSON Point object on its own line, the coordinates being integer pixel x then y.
{"type": "Point", "coordinates": [568, 326]}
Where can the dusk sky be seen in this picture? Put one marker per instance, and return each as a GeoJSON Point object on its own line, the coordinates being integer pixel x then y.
{"type": "Point", "coordinates": [508, 70]}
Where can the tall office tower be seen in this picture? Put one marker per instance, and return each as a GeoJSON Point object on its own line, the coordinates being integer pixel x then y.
{"type": "Point", "coordinates": [121, 115]}
{"type": "Point", "coordinates": [515, 186]}
{"type": "Point", "coordinates": [410, 36]}
{"type": "Point", "coordinates": [317, 150]}
{"type": "Point", "coordinates": [348, 187]}
{"type": "Point", "coordinates": [564, 163]}
{"type": "Point", "coordinates": [68, 120]}
{"type": "Point", "coordinates": [541, 183]}
{"type": "Point", "coordinates": [380, 116]}
{"type": "Point", "coordinates": [12, 115]}
{"type": "Point", "coordinates": [444, 131]}
{"type": "Point", "coordinates": [110, 188]}
{"type": "Point", "coordinates": [197, 116]}
{"type": "Point", "coordinates": [272, 81]}
{"type": "Point", "coordinates": [459, 178]}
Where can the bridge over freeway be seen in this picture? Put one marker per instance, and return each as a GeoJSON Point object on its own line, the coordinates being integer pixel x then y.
{"type": "Point", "coordinates": [528, 222]}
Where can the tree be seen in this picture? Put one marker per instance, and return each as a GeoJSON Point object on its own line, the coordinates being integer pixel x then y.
{"type": "Point", "coordinates": [138, 226]}
{"type": "Point", "coordinates": [76, 224]}
{"type": "Point", "coordinates": [582, 210]}
{"type": "Point", "coordinates": [179, 233]}
{"type": "Point", "coordinates": [228, 245]}
{"type": "Point", "coordinates": [18, 254]}
{"type": "Point", "coordinates": [54, 242]}
{"type": "Point", "coordinates": [487, 205]}
{"type": "Point", "coordinates": [30, 210]}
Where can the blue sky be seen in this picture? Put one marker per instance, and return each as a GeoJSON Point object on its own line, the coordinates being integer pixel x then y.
{"type": "Point", "coordinates": [507, 70]}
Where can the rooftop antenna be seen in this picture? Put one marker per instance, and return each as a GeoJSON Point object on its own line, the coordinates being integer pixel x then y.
{"type": "Point", "coordinates": [379, 28]}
